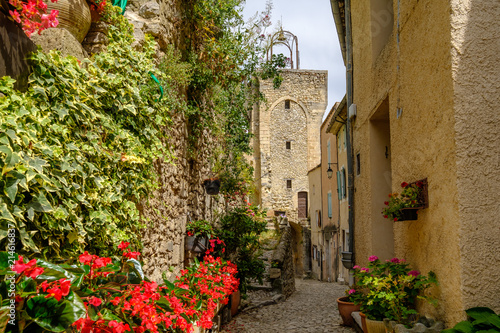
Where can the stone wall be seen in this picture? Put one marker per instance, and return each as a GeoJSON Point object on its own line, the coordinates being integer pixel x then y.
{"type": "Point", "coordinates": [282, 274]}
{"type": "Point", "coordinates": [180, 196]}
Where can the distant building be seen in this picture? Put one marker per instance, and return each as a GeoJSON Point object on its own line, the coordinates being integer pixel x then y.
{"type": "Point", "coordinates": [286, 146]}
{"type": "Point", "coordinates": [334, 129]}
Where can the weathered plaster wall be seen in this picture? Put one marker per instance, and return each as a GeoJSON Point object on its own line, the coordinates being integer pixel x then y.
{"type": "Point", "coordinates": [414, 75]}
{"type": "Point", "coordinates": [307, 92]}
{"type": "Point", "coordinates": [475, 53]}
{"type": "Point", "coordinates": [315, 205]}
{"type": "Point", "coordinates": [342, 213]}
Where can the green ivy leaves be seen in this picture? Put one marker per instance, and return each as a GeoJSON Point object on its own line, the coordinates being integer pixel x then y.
{"type": "Point", "coordinates": [77, 149]}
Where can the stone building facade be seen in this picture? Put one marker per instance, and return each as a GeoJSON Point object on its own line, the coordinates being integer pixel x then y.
{"type": "Point", "coordinates": [425, 82]}
{"type": "Point", "coordinates": [286, 146]}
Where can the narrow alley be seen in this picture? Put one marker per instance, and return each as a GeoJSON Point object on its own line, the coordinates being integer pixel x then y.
{"type": "Point", "coordinates": [311, 309]}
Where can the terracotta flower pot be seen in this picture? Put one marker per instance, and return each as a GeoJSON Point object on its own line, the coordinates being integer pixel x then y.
{"type": "Point", "coordinates": [235, 302]}
{"type": "Point", "coordinates": [74, 16]}
{"type": "Point", "coordinates": [345, 310]}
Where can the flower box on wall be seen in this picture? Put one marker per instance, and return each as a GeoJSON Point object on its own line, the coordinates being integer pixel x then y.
{"type": "Point", "coordinates": [404, 206]}
{"type": "Point", "coordinates": [409, 214]}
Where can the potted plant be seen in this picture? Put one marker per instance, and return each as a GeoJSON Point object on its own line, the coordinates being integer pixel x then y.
{"type": "Point", "coordinates": [198, 234]}
{"type": "Point", "coordinates": [404, 206]}
{"type": "Point", "coordinates": [346, 305]}
{"type": "Point", "coordinates": [212, 186]}
{"type": "Point", "coordinates": [390, 290]}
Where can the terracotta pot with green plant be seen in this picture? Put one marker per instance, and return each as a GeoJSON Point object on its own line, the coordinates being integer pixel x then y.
{"type": "Point", "coordinates": [390, 290]}
{"type": "Point", "coordinates": [346, 305]}
{"type": "Point", "coordinates": [404, 206]}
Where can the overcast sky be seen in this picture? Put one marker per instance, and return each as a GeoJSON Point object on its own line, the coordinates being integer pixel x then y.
{"type": "Point", "coordinates": [312, 22]}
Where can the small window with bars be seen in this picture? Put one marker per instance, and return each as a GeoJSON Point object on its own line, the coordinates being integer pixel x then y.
{"type": "Point", "coordinates": [288, 183]}
{"type": "Point", "coordinates": [288, 144]}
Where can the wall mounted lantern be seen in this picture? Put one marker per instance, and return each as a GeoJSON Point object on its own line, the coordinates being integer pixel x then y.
{"type": "Point", "coordinates": [329, 172]}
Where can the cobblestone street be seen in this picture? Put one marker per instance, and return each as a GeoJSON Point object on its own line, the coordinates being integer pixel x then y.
{"type": "Point", "coordinates": [311, 309]}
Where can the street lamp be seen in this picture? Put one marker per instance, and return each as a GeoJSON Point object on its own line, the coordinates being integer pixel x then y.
{"type": "Point", "coordinates": [329, 172]}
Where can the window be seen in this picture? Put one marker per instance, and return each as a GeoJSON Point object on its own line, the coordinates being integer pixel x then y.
{"type": "Point", "coordinates": [358, 164]}
{"type": "Point", "coordinates": [344, 184]}
{"type": "Point", "coordinates": [288, 183]}
{"type": "Point", "coordinates": [318, 218]}
{"type": "Point", "coordinates": [330, 204]}
{"type": "Point", "coordinates": [288, 145]}
{"type": "Point", "coordinates": [287, 104]}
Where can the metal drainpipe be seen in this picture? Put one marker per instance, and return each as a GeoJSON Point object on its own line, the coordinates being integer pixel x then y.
{"type": "Point", "coordinates": [350, 168]}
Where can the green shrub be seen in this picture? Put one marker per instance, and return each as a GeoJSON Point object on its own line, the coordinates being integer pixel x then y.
{"type": "Point", "coordinates": [480, 319]}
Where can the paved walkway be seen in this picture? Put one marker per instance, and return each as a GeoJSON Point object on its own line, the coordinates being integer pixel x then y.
{"type": "Point", "coordinates": [311, 309]}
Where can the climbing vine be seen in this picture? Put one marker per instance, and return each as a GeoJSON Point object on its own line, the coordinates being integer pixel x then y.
{"type": "Point", "coordinates": [77, 149]}
{"type": "Point", "coordinates": [226, 62]}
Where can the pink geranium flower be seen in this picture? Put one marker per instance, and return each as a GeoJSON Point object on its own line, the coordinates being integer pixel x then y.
{"type": "Point", "coordinates": [414, 273]}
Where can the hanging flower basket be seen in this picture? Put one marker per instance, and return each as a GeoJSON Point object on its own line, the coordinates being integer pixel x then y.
{"type": "Point", "coordinates": [196, 244]}
{"type": "Point", "coordinates": [212, 186]}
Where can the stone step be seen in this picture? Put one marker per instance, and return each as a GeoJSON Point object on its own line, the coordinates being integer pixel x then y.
{"type": "Point", "coordinates": [265, 287]}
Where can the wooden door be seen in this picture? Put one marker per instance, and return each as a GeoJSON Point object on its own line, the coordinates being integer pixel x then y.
{"type": "Point", "coordinates": [302, 205]}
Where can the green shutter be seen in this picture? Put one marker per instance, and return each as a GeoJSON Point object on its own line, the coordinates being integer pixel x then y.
{"type": "Point", "coordinates": [329, 204]}
{"type": "Point", "coordinates": [344, 184]}
{"type": "Point", "coordinates": [339, 185]}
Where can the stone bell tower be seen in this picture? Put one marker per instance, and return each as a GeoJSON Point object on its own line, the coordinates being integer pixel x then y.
{"type": "Point", "coordinates": [286, 130]}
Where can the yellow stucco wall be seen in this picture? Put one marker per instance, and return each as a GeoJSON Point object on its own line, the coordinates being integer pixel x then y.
{"type": "Point", "coordinates": [476, 74]}
{"type": "Point", "coordinates": [415, 76]}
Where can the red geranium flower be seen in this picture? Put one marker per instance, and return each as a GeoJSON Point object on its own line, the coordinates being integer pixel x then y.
{"type": "Point", "coordinates": [123, 245]}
